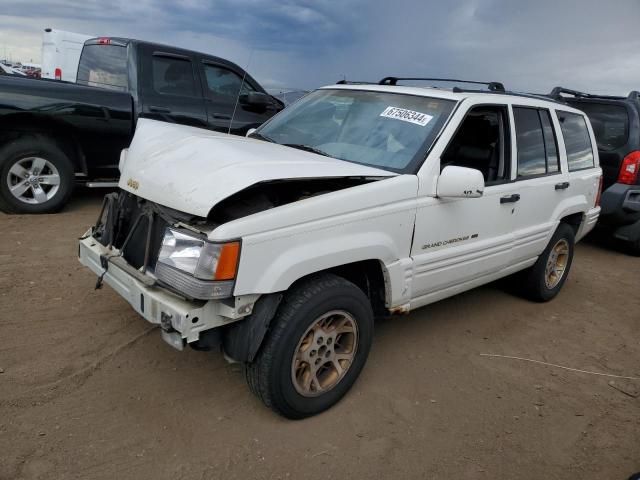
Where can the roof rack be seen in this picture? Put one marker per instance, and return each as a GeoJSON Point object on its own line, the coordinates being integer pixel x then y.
{"type": "Point", "coordinates": [351, 82]}
{"type": "Point", "coordinates": [557, 92]}
{"type": "Point", "coordinates": [492, 86]}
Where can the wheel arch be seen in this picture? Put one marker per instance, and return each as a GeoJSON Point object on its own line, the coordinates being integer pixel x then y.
{"type": "Point", "coordinates": [242, 340]}
{"type": "Point", "coordinates": [58, 131]}
{"type": "Point", "coordinates": [574, 220]}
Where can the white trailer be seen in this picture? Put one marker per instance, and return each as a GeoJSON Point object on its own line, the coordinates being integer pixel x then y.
{"type": "Point", "coordinates": [61, 53]}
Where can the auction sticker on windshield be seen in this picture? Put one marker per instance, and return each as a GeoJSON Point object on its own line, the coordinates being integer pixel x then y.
{"type": "Point", "coordinates": [407, 115]}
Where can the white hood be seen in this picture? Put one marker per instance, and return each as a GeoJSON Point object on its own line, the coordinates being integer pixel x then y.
{"type": "Point", "coordinates": [191, 169]}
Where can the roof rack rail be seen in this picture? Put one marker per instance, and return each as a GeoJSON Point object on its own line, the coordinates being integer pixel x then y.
{"type": "Point", "coordinates": [492, 86]}
{"type": "Point", "coordinates": [557, 92]}
{"type": "Point", "coordinates": [352, 82]}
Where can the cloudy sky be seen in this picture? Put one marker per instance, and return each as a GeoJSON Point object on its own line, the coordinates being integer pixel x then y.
{"type": "Point", "coordinates": [529, 45]}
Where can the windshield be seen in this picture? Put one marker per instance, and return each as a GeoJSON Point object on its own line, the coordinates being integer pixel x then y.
{"type": "Point", "coordinates": [385, 130]}
{"type": "Point", "coordinates": [103, 66]}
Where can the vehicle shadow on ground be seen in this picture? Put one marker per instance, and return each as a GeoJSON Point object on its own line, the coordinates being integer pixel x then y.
{"type": "Point", "coordinates": [84, 197]}
{"type": "Point", "coordinates": [603, 242]}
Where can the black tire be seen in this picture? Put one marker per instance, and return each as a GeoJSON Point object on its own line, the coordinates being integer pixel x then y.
{"type": "Point", "coordinates": [40, 146]}
{"type": "Point", "coordinates": [534, 284]}
{"type": "Point", "coordinates": [270, 375]}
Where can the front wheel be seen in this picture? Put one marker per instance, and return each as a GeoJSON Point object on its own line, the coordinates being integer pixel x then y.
{"type": "Point", "coordinates": [545, 278]}
{"type": "Point", "coordinates": [316, 348]}
{"type": "Point", "coordinates": [36, 176]}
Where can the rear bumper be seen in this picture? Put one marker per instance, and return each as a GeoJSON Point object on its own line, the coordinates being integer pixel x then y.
{"type": "Point", "coordinates": [181, 320]}
{"type": "Point", "coordinates": [620, 204]}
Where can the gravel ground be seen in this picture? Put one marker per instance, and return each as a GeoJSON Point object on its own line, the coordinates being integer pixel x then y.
{"type": "Point", "coordinates": [89, 391]}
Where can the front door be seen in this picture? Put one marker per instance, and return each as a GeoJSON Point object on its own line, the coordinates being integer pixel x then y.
{"type": "Point", "coordinates": [459, 242]}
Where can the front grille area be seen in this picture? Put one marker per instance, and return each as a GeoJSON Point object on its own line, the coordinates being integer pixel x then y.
{"type": "Point", "coordinates": [132, 225]}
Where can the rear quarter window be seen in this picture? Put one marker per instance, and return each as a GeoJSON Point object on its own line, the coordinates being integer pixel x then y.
{"type": "Point", "coordinates": [610, 124]}
{"type": "Point", "coordinates": [576, 140]}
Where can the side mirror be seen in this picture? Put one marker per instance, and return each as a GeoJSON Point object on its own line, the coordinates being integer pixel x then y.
{"type": "Point", "coordinates": [460, 182]}
{"type": "Point", "coordinates": [255, 99]}
{"type": "Point", "coordinates": [249, 132]}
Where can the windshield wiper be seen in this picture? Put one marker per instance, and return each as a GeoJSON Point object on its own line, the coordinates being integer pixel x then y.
{"type": "Point", "coordinates": [259, 136]}
{"type": "Point", "coordinates": [307, 148]}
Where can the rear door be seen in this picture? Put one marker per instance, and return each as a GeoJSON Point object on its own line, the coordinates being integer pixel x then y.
{"type": "Point", "coordinates": [170, 91]}
{"type": "Point", "coordinates": [223, 86]}
{"type": "Point", "coordinates": [540, 181]}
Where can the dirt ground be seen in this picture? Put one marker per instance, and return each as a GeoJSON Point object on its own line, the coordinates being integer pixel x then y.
{"type": "Point", "coordinates": [89, 391]}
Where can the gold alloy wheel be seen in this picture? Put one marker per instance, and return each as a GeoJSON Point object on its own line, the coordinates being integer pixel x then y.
{"type": "Point", "coordinates": [556, 264]}
{"type": "Point", "coordinates": [324, 353]}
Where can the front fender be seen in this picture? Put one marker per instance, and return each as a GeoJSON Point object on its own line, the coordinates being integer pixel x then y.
{"type": "Point", "coordinates": [274, 267]}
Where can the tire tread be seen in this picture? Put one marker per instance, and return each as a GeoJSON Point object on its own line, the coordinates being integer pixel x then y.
{"type": "Point", "coordinates": [257, 373]}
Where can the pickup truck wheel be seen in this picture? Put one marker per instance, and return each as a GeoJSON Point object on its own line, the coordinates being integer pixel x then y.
{"type": "Point", "coordinates": [35, 176]}
{"type": "Point", "coordinates": [545, 278]}
{"type": "Point", "coordinates": [317, 346]}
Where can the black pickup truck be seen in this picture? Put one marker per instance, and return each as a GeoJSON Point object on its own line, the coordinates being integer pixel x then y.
{"type": "Point", "coordinates": [55, 134]}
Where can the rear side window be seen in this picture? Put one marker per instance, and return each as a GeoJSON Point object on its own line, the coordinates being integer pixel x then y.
{"type": "Point", "coordinates": [610, 124]}
{"type": "Point", "coordinates": [535, 139]}
{"type": "Point", "coordinates": [173, 76]}
{"type": "Point", "coordinates": [103, 66]}
{"type": "Point", "coordinates": [576, 140]}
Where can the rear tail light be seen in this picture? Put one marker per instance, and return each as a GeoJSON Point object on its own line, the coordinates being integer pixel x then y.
{"type": "Point", "coordinates": [104, 41]}
{"type": "Point", "coordinates": [58, 74]}
{"type": "Point", "coordinates": [599, 194]}
{"type": "Point", "coordinates": [629, 169]}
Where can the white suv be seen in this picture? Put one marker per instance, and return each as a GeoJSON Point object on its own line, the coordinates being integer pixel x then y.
{"type": "Point", "coordinates": [357, 201]}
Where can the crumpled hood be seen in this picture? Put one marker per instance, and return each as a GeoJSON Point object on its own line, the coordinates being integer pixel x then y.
{"type": "Point", "coordinates": [191, 169]}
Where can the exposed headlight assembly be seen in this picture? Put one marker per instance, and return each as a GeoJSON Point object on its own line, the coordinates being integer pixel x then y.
{"type": "Point", "coordinates": [196, 267]}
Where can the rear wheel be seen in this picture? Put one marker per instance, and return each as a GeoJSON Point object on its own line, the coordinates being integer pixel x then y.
{"type": "Point", "coordinates": [317, 346]}
{"type": "Point", "coordinates": [36, 176]}
{"type": "Point", "coordinates": [545, 278]}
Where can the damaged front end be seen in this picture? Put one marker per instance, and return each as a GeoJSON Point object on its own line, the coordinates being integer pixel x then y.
{"type": "Point", "coordinates": [161, 245]}
{"type": "Point", "coordinates": [276, 193]}
{"type": "Point", "coordinates": [161, 261]}
{"type": "Point", "coordinates": [165, 264]}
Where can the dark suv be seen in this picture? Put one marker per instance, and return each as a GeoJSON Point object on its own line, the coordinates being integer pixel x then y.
{"type": "Point", "coordinates": [616, 125]}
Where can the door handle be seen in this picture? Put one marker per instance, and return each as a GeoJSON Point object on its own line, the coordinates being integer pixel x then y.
{"type": "Point", "coordinates": [224, 117]}
{"type": "Point", "coordinates": [510, 198]}
{"type": "Point", "coordinates": [562, 186]}
{"type": "Point", "coordinates": [153, 108]}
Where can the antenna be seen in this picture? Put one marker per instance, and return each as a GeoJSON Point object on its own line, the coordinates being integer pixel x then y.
{"type": "Point", "coordinates": [240, 91]}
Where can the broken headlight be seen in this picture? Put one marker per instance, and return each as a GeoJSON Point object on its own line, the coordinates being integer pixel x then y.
{"type": "Point", "coordinates": [196, 267]}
